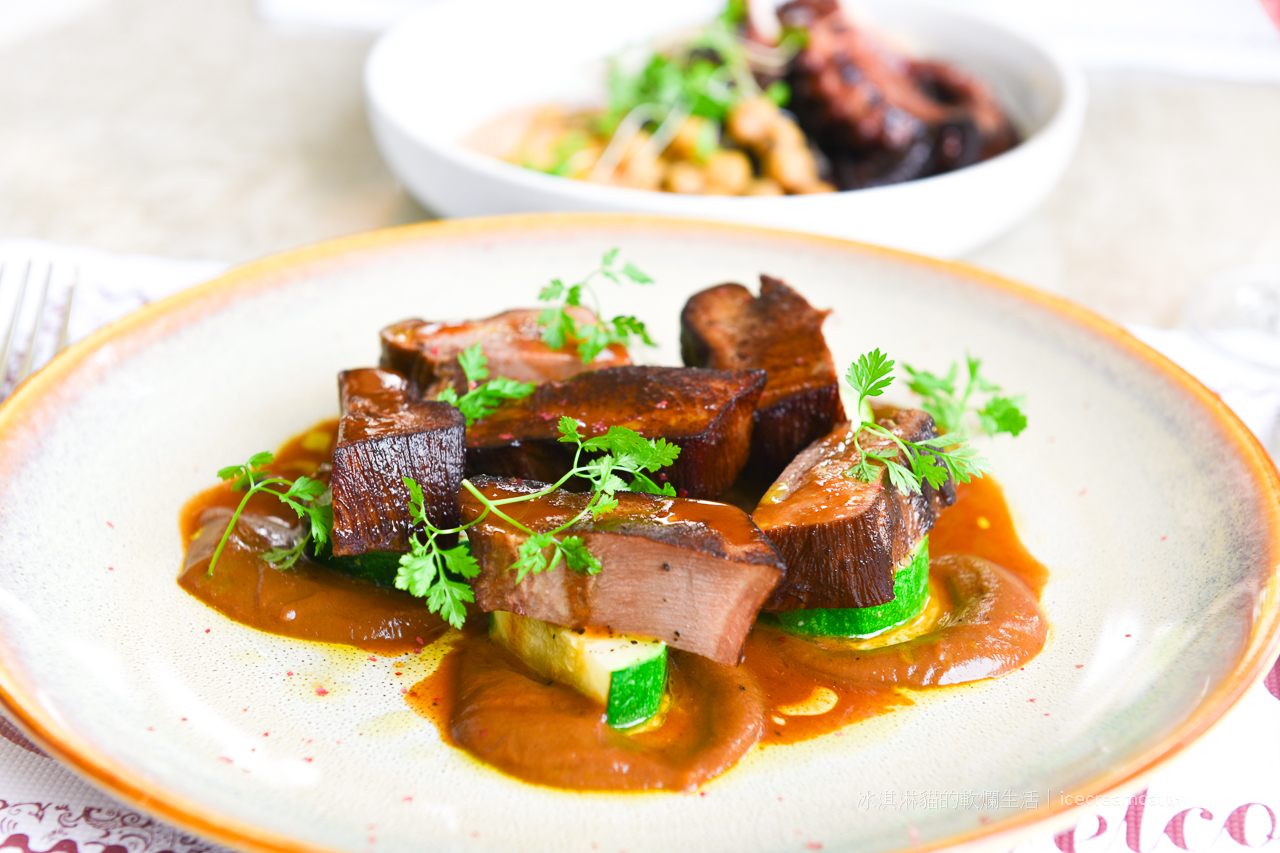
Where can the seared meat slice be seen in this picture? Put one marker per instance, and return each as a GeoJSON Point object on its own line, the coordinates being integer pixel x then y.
{"type": "Point", "coordinates": [841, 537]}
{"type": "Point", "coordinates": [689, 573]}
{"type": "Point", "coordinates": [427, 353]}
{"type": "Point", "coordinates": [727, 328]}
{"type": "Point", "coordinates": [386, 434]}
{"type": "Point", "coordinates": [708, 413]}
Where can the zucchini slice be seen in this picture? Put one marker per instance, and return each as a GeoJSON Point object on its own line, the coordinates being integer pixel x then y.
{"type": "Point", "coordinates": [625, 674]}
{"type": "Point", "coordinates": [910, 591]}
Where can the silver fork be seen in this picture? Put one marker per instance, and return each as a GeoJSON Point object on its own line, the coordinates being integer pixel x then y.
{"type": "Point", "coordinates": [19, 360]}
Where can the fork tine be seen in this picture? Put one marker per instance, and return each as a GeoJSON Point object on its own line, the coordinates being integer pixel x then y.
{"type": "Point", "coordinates": [13, 324]}
{"type": "Point", "coordinates": [66, 311]}
{"type": "Point", "coordinates": [29, 357]}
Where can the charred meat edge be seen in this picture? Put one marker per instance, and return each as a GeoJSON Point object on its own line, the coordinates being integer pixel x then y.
{"type": "Point", "coordinates": [726, 328]}
{"type": "Point", "coordinates": [385, 434]}
{"type": "Point", "coordinates": [708, 413]}
{"type": "Point", "coordinates": [840, 537]}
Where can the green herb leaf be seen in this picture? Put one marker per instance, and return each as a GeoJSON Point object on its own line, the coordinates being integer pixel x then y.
{"type": "Point", "coordinates": [948, 404]}
{"type": "Point", "coordinates": [870, 375]}
{"type": "Point", "coordinates": [735, 13]}
{"type": "Point", "coordinates": [931, 461]}
{"type": "Point", "coordinates": [779, 92]}
{"type": "Point", "coordinates": [482, 400]}
{"type": "Point", "coordinates": [530, 556]}
{"type": "Point", "coordinates": [473, 363]}
{"type": "Point", "coordinates": [1003, 414]}
{"type": "Point", "coordinates": [559, 328]}
{"type": "Point", "coordinates": [310, 500]}
{"type": "Point", "coordinates": [633, 449]}
{"type": "Point", "coordinates": [634, 273]}
{"type": "Point", "coordinates": [569, 430]}
{"type": "Point", "coordinates": [577, 557]}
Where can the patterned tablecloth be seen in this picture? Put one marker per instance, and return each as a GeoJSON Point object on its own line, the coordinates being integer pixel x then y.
{"type": "Point", "coordinates": [1220, 795]}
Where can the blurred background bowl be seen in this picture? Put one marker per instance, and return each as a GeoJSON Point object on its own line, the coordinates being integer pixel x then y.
{"type": "Point", "coordinates": [441, 75]}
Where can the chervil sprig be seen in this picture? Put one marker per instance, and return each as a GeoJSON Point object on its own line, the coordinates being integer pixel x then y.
{"type": "Point", "coordinates": [439, 574]}
{"type": "Point", "coordinates": [560, 327]}
{"type": "Point", "coordinates": [932, 461]}
{"type": "Point", "coordinates": [941, 398]}
{"type": "Point", "coordinates": [481, 400]}
{"type": "Point", "coordinates": [309, 498]}
{"type": "Point", "coordinates": [430, 571]}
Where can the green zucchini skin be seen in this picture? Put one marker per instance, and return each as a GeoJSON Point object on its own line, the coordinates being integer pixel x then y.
{"type": "Point", "coordinates": [635, 693]}
{"type": "Point", "coordinates": [910, 591]}
{"type": "Point", "coordinates": [379, 567]}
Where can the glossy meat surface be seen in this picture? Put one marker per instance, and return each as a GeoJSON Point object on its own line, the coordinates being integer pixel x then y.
{"type": "Point", "coordinates": [708, 413]}
{"type": "Point", "coordinates": [384, 435]}
{"type": "Point", "coordinates": [840, 537]}
{"type": "Point", "coordinates": [690, 573]}
{"type": "Point", "coordinates": [427, 352]}
{"type": "Point", "coordinates": [726, 328]}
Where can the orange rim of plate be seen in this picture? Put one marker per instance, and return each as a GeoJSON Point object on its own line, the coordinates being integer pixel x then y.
{"type": "Point", "coordinates": [244, 280]}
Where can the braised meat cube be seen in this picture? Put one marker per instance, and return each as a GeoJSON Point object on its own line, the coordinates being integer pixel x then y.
{"type": "Point", "coordinates": [690, 573]}
{"type": "Point", "coordinates": [708, 413]}
{"type": "Point", "coordinates": [386, 434]}
{"type": "Point", "coordinates": [727, 328]}
{"type": "Point", "coordinates": [427, 353]}
{"type": "Point", "coordinates": [840, 537]}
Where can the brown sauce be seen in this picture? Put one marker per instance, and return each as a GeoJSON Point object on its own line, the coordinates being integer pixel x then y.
{"type": "Point", "coordinates": [308, 602]}
{"type": "Point", "coordinates": [983, 620]}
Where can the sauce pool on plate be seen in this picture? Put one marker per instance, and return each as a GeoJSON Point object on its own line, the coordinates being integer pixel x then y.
{"type": "Point", "coordinates": [982, 620]}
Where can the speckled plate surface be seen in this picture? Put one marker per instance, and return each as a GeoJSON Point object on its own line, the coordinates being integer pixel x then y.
{"type": "Point", "coordinates": [1154, 509]}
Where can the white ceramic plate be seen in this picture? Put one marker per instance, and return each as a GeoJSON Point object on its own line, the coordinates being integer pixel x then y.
{"type": "Point", "coordinates": [1153, 507]}
{"type": "Point", "coordinates": [427, 88]}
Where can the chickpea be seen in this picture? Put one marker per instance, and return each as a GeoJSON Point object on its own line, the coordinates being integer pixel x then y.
{"type": "Point", "coordinates": [792, 167]}
{"type": "Point", "coordinates": [786, 133]}
{"type": "Point", "coordinates": [816, 187]}
{"type": "Point", "coordinates": [764, 186]}
{"type": "Point", "coordinates": [751, 122]}
{"type": "Point", "coordinates": [634, 144]}
{"type": "Point", "coordinates": [684, 177]}
{"type": "Point", "coordinates": [728, 172]}
{"type": "Point", "coordinates": [684, 146]}
{"type": "Point", "coordinates": [646, 175]}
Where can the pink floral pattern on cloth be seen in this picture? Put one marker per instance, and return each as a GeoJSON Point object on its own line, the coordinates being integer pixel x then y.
{"type": "Point", "coordinates": [1272, 681]}
{"type": "Point", "coordinates": [30, 827]}
{"type": "Point", "coordinates": [44, 808]}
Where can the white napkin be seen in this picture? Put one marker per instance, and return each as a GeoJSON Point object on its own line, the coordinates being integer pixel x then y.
{"type": "Point", "coordinates": [1221, 794]}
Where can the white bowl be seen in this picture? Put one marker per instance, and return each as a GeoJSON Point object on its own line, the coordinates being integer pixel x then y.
{"type": "Point", "coordinates": [443, 73]}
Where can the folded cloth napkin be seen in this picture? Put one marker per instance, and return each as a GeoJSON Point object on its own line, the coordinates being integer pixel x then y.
{"type": "Point", "coordinates": [1220, 795]}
